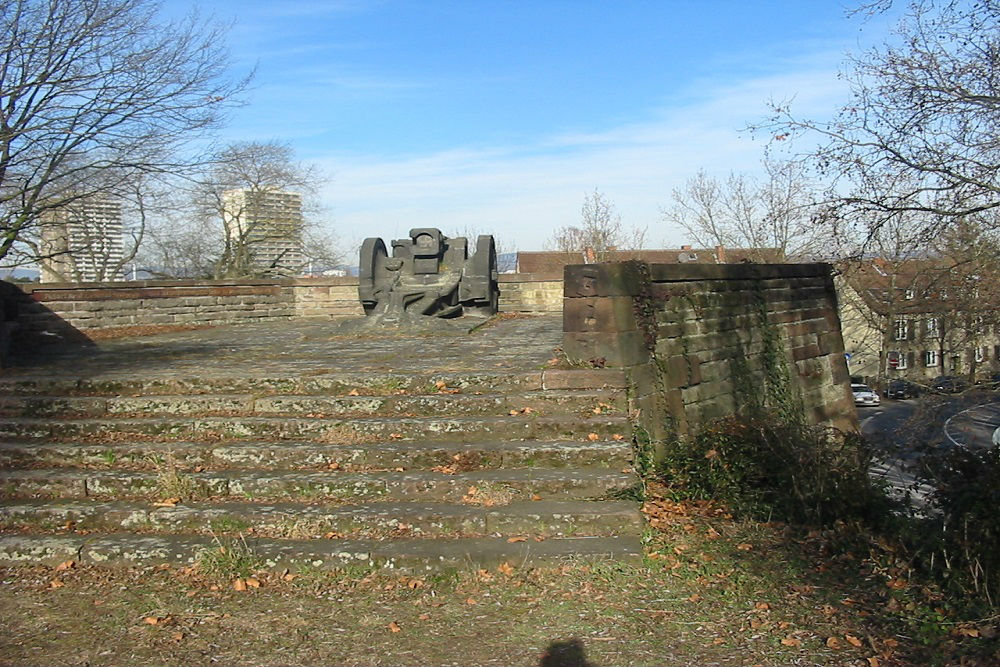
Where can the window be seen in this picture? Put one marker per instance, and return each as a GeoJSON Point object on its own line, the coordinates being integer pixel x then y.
{"type": "Point", "coordinates": [931, 358]}
{"type": "Point", "coordinates": [909, 294]}
{"type": "Point", "coordinates": [980, 355]}
{"type": "Point", "coordinates": [933, 328]}
{"type": "Point", "coordinates": [902, 329]}
{"type": "Point", "coordinates": [897, 360]}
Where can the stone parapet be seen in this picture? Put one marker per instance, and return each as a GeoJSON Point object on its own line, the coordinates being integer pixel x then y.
{"type": "Point", "coordinates": [700, 341]}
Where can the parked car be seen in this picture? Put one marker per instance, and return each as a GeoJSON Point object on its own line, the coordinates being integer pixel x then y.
{"type": "Point", "coordinates": [949, 384]}
{"type": "Point", "coordinates": [903, 389]}
{"type": "Point", "coordinates": [863, 395]}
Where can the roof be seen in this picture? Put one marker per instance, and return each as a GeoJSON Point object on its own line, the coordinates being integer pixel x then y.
{"type": "Point", "coordinates": [550, 261]}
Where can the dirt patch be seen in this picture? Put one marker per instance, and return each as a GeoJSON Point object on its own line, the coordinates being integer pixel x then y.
{"type": "Point", "coordinates": [710, 590]}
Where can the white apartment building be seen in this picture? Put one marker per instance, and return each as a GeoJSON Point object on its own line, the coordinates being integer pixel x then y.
{"type": "Point", "coordinates": [269, 223]}
{"type": "Point", "coordinates": [82, 242]}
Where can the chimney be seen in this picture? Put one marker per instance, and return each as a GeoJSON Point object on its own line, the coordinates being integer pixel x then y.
{"type": "Point", "coordinates": [720, 254]}
{"type": "Point", "coordinates": [685, 247]}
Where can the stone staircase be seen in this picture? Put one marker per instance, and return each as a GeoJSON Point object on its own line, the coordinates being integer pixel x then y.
{"type": "Point", "coordinates": [406, 470]}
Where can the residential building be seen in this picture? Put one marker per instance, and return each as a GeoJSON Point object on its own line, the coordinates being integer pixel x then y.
{"type": "Point", "coordinates": [919, 319]}
{"type": "Point", "coordinates": [267, 223]}
{"type": "Point", "coordinates": [82, 242]}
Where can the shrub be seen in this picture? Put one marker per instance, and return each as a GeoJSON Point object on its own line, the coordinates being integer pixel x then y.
{"type": "Point", "coordinates": [769, 468]}
{"type": "Point", "coordinates": [958, 538]}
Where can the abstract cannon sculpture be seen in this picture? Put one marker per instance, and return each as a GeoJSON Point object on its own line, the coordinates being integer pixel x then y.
{"type": "Point", "coordinates": [428, 274]}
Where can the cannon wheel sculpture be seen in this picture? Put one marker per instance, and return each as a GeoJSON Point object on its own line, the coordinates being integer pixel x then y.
{"type": "Point", "coordinates": [429, 274]}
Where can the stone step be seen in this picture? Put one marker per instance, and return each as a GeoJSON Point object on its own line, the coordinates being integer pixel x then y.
{"type": "Point", "coordinates": [538, 402]}
{"type": "Point", "coordinates": [547, 518]}
{"type": "Point", "coordinates": [332, 431]}
{"type": "Point", "coordinates": [333, 383]}
{"type": "Point", "coordinates": [415, 556]}
{"type": "Point", "coordinates": [492, 487]}
{"type": "Point", "coordinates": [267, 455]}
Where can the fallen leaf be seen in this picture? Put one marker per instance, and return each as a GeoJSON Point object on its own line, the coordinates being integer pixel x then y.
{"type": "Point", "coordinates": [169, 502]}
{"type": "Point", "coordinates": [711, 454]}
{"type": "Point", "coordinates": [178, 636]}
{"type": "Point", "coordinates": [694, 598]}
{"type": "Point", "coordinates": [56, 583]}
{"type": "Point", "coordinates": [897, 584]}
{"type": "Point", "coordinates": [253, 582]}
{"type": "Point", "coordinates": [424, 617]}
{"type": "Point", "coordinates": [593, 437]}
{"type": "Point", "coordinates": [472, 491]}
{"type": "Point", "coordinates": [505, 569]}
{"type": "Point", "coordinates": [485, 575]}
{"type": "Point", "coordinates": [743, 546]}
{"type": "Point", "coordinates": [535, 496]}
{"type": "Point", "coordinates": [618, 437]}
{"type": "Point", "coordinates": [471, 601]}
{"type": "Point", "coordinates": [198, 469]}
{"type": "Point", "coordinates": [763, 606]}
{"type": "Point", "coordinates": [833, 642]}
{"type": "Point", "coordinates": [394, 627]}
{"type": "Point", "coordinates": [151, 620]}
{"type": "Point", "coordinates": [517, 539]}
{"type": "Point", "coordinates": [440, 384]}
{"type": "Point", "coordinates": [512, 413]}
{"type": "Point", "coordinates": [873, 662]}
{"type": "Point", "coordinates": [967, 632]}
{"type": "Point", "coordinates": [354, 392]}
{"type": "Point", "coordinates": [853, 641]}
{"type": "Point", "coordinates": [65, 565]}
{"type": "Point", "coordinates": [791, 641]}
{"type": "Point", "coordinates": [415, 583]}
{"type": "Point", "coordinates": [395, 436]}
{"type": "Point", "coordinates": [718, 640]}
{"type": "Point", "coordinates": [290, 577]}
{"type": "Point", "coordinates": [239, 585]}
{"type": "Point", "coordinates": [191, 593]}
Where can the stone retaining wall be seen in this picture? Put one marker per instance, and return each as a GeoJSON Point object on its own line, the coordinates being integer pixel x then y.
{"type": "Point", "coordinates": [86, 306]}
{"type": "Point", "coordinates": [703, 341]}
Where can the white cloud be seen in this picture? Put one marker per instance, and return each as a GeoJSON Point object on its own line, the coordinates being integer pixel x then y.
{"type": "Point", "coordinates": [521, 194]}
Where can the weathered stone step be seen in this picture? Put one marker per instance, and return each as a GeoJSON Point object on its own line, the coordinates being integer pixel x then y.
{"type": "Point", "coordinates": [332, 431]}
{"type": "Point", "coordinates": [494, 487]}
{"type": "Point", "coordinates": [360, 521]}
{"type": "Point", "coordinates": [416, 555]}
{"type": "Point", "coordinates": [310, 455]}
{"type": "Point", "coordinates": [377, 384]}
{"type": "Point", "coordinates": [539, 402]}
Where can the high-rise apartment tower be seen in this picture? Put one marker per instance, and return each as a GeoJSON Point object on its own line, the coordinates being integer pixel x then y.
{"type": "Point", "coordinates": [269, 223]}
{"type": "Point", "coordinates": [82, 241]}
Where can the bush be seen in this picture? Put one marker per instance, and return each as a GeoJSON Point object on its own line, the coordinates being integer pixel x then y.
{"type": "Point", "coordinates": [958, 538]}
{"type": "Point", "coordinates": [768, 468]}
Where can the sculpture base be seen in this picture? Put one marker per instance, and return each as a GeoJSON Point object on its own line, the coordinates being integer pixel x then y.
{"type": "Point", "coordinates": [408, 323]}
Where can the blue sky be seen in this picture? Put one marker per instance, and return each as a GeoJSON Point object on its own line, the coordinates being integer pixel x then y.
{"type": "Point", "coordinates": [499, 117]}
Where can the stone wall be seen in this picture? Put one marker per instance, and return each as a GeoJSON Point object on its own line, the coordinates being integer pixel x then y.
{"type": "Point", "coordinates": [56, 307]}
{"type": "Point", "coordinates": [705, 341]}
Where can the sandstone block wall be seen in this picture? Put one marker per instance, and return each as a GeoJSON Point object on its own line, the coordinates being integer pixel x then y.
{"type": "Point", "coordinates": [62, 308]}
{"type": "Point", "coordinates": [703, 341]}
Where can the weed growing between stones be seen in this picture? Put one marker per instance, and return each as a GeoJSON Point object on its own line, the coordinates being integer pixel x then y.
{"type": "Point", "coordinates": [230, 557]}
{"type": "Point", "coordinates": [172, 483]}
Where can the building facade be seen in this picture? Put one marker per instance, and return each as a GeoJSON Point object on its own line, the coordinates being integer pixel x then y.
{"type": "Point", "coordinates": [266, 223]}
{"type": "Point", "coordinates": [82, 242]}
{"type": "Point", "coordinates": [919, 319]}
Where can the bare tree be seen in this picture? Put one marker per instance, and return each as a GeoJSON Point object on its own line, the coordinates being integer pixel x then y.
{"type": "Point", "coordinates": [94, 94]}
{"type": "Point", "coordinates": [600, 233]}
{"type": "Point", "coordinates": [774, 212]}
{"type": "Point", "coordinates": [921, 131]}
{"type": "Point", "coordinates": [259, 199]}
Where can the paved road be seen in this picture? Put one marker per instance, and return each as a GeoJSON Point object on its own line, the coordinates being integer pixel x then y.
{"type": "Point", "coordinates": [889, 428]}
{"type": "Point", "coordinates": [973, 427]}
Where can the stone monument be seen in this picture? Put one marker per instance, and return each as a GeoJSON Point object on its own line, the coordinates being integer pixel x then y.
{"type": "Point", "coordinates": [428, 275]}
